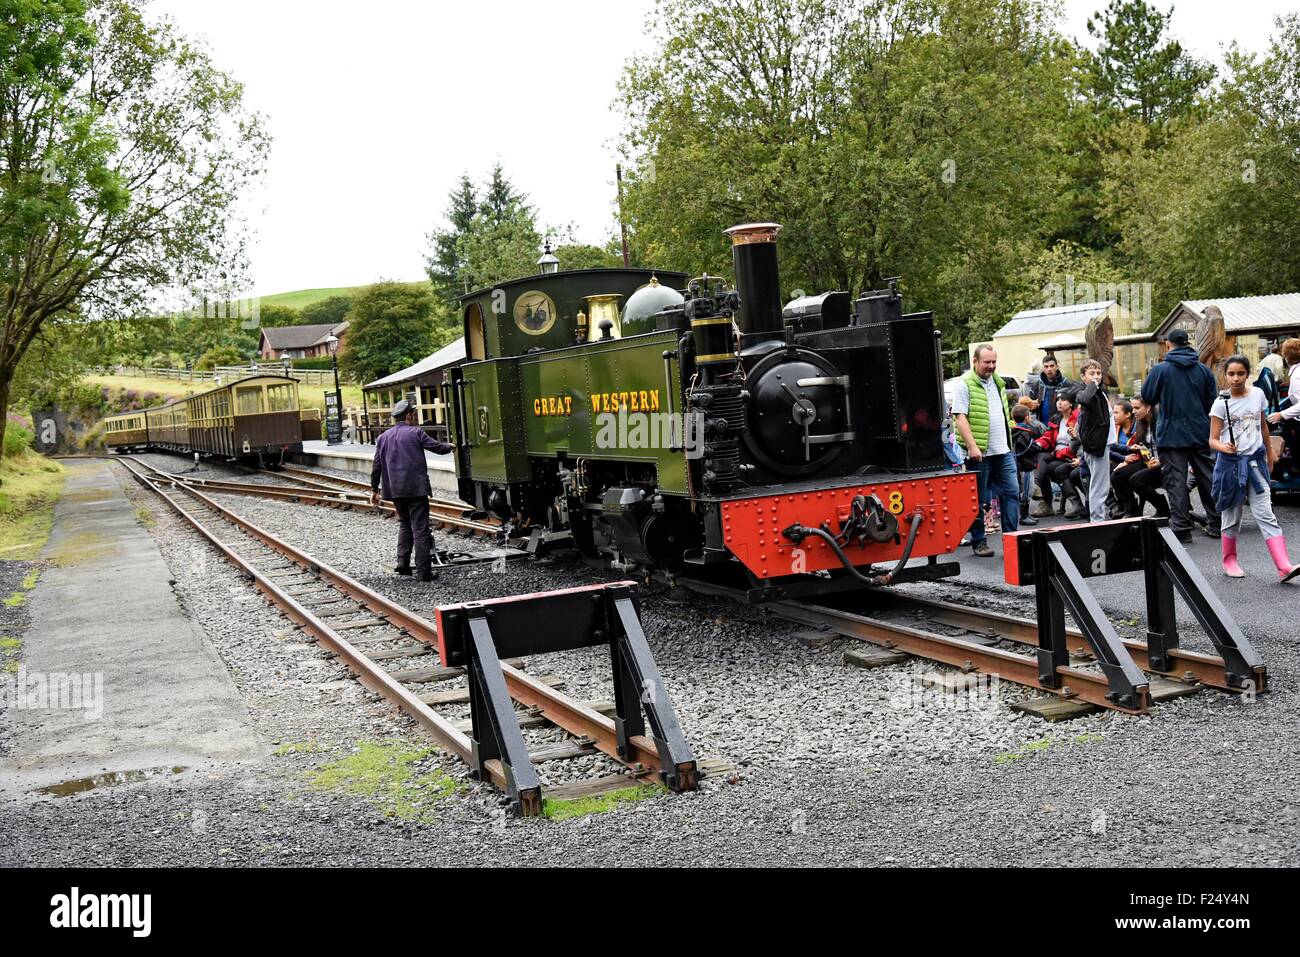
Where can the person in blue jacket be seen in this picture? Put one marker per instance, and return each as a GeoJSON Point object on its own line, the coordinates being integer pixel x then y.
{"type": "Point", "coordinates": [399, 463]}
{"type": "Point", "coordinates": [1183, 388]}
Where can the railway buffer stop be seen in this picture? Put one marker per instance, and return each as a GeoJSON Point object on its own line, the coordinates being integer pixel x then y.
{"type": "Point", "coordinates": [476, 635]}
{"type": "Point", "coordinates": [1058, 562]}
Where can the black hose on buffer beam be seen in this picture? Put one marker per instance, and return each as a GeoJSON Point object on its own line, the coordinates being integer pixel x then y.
{"type": "Point", "coordinates": [796, 533]}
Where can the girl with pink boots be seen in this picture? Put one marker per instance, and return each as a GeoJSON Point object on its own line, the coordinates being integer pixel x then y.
{"type": "Point", "coordinates": [1242, 467]}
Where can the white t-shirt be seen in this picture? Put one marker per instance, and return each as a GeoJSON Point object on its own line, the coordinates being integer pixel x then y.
{"type": "Point", "coordinates": [1243, 416]}
{"type": "Point", "coordinates": [999, 441]}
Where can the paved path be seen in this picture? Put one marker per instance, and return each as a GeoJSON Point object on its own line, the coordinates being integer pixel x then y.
{"type": "Point", "coordinates": [152, 691]}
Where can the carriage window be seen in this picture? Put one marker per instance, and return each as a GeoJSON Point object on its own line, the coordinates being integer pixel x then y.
{"type": "Point", "coordinates": [248, 401]}
{"type": "Point", "coordinates": [279, 398]}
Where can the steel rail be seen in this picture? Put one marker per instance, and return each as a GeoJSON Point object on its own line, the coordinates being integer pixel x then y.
{"type": "Point", "coordinates": [569, 714]}
{"type": "Point", "coordinates": [1192, 665]}
{"type": "Point", "coordinates": [454, 509]}
{"type": "Point", "coordinates": [325, 496]}
{"type": "Point", "coordinates": [370, 674]}
{"type": "Point", "coordinates": [1021, 669]}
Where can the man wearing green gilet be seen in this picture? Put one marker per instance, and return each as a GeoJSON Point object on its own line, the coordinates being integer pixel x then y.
{"type": "Point", "coordinates": [983, 420]}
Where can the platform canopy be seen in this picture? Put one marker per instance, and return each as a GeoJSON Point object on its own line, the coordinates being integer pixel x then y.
{"type": "Point", "coordinates": [448, 355]}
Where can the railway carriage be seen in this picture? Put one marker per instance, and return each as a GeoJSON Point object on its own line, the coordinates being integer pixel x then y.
{"type": "Point", "coordinates": [253, 418]}
{"type": "Point", "coordinates": [714, 433]}
{"type": "Point", "coordinates": [126, 431]}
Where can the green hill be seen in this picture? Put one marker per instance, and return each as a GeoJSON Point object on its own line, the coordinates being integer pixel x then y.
{"type": "Point", "coordinates": [305, 297]}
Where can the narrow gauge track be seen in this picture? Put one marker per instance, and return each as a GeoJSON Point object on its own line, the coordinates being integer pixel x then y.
{"type": "Point", "coordinates": [861, 618]}
{"type": "Point", "coordinates": [327, 603]}
{"type": "Point", "coordinates": [446, 511]}
{"type": "Point", "coordinates": [446, 515]}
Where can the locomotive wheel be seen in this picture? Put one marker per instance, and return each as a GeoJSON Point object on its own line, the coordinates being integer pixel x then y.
{"type": "Point", "coordinates": [666, 539]}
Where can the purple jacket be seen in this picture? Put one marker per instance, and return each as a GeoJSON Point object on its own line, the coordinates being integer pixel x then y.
{"type": "Point", "coordinates": [399, 459]}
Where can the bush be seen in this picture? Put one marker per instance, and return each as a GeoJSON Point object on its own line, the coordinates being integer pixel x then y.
{"type": "Point", "coordinates": [93, 438]}
{"type": "Point", "coordinates": [220, 356]}
{"type": "Point", "coordinates": [324, 363]}
{"type": "Point", "coordinates": [18, 435]}
{"type": "Point", "coordinates": [166, 360]}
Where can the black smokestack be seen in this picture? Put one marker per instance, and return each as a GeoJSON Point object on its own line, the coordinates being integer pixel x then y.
{"type": "Point", "coordinates": [753, 254]}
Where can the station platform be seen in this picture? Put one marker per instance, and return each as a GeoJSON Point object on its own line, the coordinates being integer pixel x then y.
{"type": "Point", "coordinates": [357, 457]}
{"type": "Point", "coordinates": [141, 685]}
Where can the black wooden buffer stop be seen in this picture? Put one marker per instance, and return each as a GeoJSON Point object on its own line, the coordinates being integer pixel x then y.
{"type": "Point", "coordinates": [1058, 561]}
{"type": "Point", "coordinates": [477, 635]}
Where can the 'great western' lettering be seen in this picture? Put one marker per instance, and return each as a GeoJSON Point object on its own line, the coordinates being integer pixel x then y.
{"type": "Point", "coordinates": [638, 400]}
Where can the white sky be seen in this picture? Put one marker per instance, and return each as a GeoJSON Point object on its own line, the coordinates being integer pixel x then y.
{"type": "Point", "coordinates": [377, 108]}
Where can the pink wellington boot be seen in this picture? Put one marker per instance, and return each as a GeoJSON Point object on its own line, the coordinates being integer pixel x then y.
{"type": "Point", "coordinates": [1230, 566]}
{"type": "Point", "coordinates": [1277, 548]}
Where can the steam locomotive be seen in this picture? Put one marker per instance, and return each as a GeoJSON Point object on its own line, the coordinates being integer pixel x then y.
{"type": "Point", "coordinates": [710, 432]}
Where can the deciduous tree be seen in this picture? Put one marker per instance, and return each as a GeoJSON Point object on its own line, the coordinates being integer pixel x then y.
{"type": "Point", "coordinates": [125, 150]}
{"type": "Point", "coordinates": [390, 326]}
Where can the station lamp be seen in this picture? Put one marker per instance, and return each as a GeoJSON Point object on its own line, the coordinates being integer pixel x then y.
{"type": "Point", "coordinates": [549, 263]}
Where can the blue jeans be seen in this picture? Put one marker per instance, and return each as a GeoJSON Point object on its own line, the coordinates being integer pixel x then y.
{"type": "Point", "coordinates": [996, 475]}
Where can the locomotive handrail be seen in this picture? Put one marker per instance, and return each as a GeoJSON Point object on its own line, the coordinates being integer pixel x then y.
{"type": "Point", "coordinates": [669, 355]}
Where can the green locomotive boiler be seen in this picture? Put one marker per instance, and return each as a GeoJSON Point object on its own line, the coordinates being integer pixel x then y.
{"type": "Point", "coordinates": [682, 425]}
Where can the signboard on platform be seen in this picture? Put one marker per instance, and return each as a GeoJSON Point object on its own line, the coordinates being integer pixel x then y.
{"type": "Point", "coordinates": [333, 419]}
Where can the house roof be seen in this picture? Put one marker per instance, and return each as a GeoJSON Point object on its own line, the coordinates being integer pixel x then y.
{"type": "Point", "coordinates": [1243, 313]}
{"type": "Point", "coordinates": [448, 355]}
{"type": "Point", "coordinates": [1058, 319]}
{"type": "Point", "coordinates": [300, 337]}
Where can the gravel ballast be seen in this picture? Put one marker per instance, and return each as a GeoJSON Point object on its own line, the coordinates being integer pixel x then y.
{"type": "Point", "coordinates": [832, 764]}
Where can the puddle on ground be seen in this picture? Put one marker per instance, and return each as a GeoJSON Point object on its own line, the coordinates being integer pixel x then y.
{"type": "Point", "coordinates": [106, 780]}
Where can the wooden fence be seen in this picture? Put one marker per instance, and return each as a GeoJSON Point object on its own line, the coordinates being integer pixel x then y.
{"type": "Point", "coordinates": [321, 377]}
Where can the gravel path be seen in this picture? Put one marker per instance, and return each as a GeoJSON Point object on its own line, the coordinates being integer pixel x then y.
{"type": "Point", "coordinates": [834, 765]}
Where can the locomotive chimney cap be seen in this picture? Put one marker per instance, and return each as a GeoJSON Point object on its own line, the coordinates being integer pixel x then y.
{"type": "Point", "coordinates": [753, 233]}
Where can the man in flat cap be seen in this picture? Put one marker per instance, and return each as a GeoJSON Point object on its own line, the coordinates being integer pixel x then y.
{"type": "Point", "coordinates": [399, 462]}
{"type": "Point", "coordinates": [1183, 388]}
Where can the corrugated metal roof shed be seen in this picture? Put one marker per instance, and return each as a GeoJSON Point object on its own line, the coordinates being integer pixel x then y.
{"type": "Point", "coordinates": [1243, 313]}
{"type": "Point", "coordinates": [1058, 319]}
{"type": "Point", "coordinates": [448, 355]}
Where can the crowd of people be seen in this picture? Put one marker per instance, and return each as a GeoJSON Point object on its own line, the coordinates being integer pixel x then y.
{"type": "Point", "coordinates": [1084, 453]}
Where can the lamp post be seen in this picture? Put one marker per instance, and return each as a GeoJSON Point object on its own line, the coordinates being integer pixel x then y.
{"type": "Point", "coordinates": [549, 262]}
{"type": "Point", "coordinates": [335, 435]}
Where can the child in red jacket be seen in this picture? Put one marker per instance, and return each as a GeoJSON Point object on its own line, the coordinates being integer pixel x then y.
{"type": "Point", "coordinates": [1058, 459]}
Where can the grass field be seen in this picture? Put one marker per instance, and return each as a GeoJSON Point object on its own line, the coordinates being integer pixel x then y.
{"type": "Point", "coordinates": [305, 297]}
{"type": "Point", "coordinates": [30, 484]}
{"type": "Point", "coordinates": [170, 388]}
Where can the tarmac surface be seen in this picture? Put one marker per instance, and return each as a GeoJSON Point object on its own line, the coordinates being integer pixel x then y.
{"type": "Point", "coordinates": [1259, 603]}
{"type": "Point", "coordinates": [140, 684]}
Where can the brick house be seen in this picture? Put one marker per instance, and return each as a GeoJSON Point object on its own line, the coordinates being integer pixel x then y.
{"type": "Point", "coordinates": [300, 342]}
